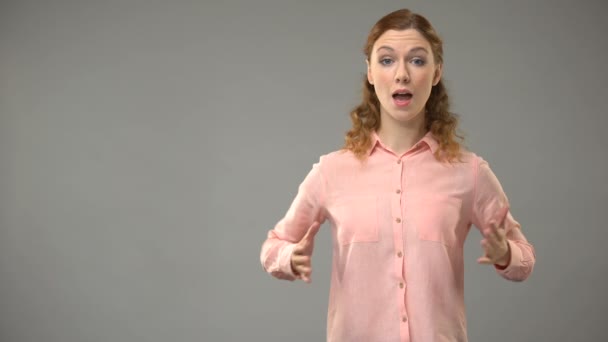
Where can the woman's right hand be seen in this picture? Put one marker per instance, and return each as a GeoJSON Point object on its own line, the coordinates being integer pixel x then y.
{"type": "Point", "coordinates": [302, 254]}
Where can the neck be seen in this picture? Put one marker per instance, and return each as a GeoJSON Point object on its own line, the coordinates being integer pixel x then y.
{"type": "Point", "coordinates": [401, 136]}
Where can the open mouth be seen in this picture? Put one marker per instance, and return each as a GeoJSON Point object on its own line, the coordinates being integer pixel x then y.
{"type": "Point", "coordinates": [402, 96]}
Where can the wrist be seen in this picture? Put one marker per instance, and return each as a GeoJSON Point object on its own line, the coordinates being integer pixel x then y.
{"type": "Point", "coordinates": [506, 259]}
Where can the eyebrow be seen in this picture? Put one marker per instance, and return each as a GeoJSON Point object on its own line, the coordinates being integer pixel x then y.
{"type": "Point", "coordinates": [416, 49]}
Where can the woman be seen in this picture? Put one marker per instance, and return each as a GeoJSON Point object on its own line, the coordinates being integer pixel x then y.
{"type": "Point", "coordinates": [401, 197]}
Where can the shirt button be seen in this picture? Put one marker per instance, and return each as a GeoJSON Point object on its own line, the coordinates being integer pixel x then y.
{"type": "Point", "coordinates": [398, 220]}
{"type": "Point", "coordinates": [398, 191]}
{"type": "Point", "coordinates": [398, 161]}
{"type": "Point", "coordinates": [399, 254]}
{"type": "Point", "coordinates": [401, 285]}
{"type": "Point", "coordinates": [404, 319]}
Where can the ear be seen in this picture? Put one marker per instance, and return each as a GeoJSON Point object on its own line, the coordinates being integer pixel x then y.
{"type": "Point", "coordinates": [438, 73]}
{"type": "Point", "coordinates": [369, 73]}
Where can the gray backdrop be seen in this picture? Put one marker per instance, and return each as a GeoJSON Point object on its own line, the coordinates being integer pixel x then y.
{"type": "Point", "coordinates": [146, 148]}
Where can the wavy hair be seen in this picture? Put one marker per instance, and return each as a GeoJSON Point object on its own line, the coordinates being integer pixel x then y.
{"type": "Point", "coordinates": [438, 119]}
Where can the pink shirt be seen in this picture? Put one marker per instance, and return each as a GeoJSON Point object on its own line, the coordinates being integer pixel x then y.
{"type": "Point", "coordinates": [398, 226]}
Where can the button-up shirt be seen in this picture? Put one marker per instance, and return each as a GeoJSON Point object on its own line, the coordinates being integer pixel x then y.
{"type": "Point", "coordinates": [398, 226]}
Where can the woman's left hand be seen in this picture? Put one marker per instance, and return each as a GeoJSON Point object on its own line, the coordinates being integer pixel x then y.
{"type": "Point", "coordinates": [495, 246]}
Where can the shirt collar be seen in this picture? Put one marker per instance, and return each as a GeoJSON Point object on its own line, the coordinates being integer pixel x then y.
{"type": "Point", "coordinates": [427, 139]}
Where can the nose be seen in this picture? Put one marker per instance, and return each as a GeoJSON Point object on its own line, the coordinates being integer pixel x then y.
{"type": "Point", "coordinates": [402, 74]}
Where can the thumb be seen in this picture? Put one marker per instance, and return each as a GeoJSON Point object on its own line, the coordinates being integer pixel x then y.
{"type": "Point", "coordinates": [312, 231]}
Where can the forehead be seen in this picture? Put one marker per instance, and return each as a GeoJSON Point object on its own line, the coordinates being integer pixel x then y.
{"type": "Point", "coordinates": [403, 39]}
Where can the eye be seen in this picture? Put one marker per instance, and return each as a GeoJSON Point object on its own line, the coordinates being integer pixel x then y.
{"type": "Point", "coordinates": [418, 61]}
{"type": "Point", "coordinates": [386, 61]}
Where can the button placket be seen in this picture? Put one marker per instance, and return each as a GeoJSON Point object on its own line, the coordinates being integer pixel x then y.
{"type": "Point", "coordinates": [398, 212]}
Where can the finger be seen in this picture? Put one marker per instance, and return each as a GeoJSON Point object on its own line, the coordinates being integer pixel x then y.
{"type": "Point", "coordinates": [306, 275]}
{"type": "Point", "coordinates": [498, 240]}
{"type": "Point", "coordinates": [495, 238]}
{"type": "Point", "coordinates": [302, 270]}
{"type": "Point", "coordinates": [484, 247]}
{"type": "Point", "coordinates": [491, 248]}
{"type": "Point", "coordinates": [306, 270]}
{"type": "Point", "coordinates": [497, 232]}
{"type": "Point", "coordinates": [312, 231]}
{"type": "Point", "coordinates": [484, 260]}
{"type": "Point", "coordinates": [490, 232]}
{"type": "Point", "coordinates": [491, 239]}
{"type": "Point", "coordinates": [488, 250]}
{"type": "Point", "coordinates": [501, 234]}
{"type": "Point", "coordinates": [487, 233]}
{"type": "Point", "coordinates": [301, 260]}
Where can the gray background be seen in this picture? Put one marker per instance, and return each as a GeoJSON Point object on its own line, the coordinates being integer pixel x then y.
{"type": "Point", "coordinates": [147, 147]}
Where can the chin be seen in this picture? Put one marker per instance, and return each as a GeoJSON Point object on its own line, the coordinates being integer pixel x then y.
{"type": "Point", "coordinates": [404, 115]}
{"type": "Point", "coordinates": [403, 118]}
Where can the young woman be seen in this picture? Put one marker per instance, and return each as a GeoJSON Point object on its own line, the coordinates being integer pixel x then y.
{"type": "Point", "coordinates": [401, 197]}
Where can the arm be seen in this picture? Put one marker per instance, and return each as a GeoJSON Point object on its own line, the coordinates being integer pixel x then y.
{"type": "Point", "coordinates": [306, 208]}
{"type": "Point", "coordinates": [490, 207]}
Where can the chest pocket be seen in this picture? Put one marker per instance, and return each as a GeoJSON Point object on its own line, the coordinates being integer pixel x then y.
{"type": "Point", "coordinates": [356, 219]}
{"type": "Point", "coordinates": [436, 218]}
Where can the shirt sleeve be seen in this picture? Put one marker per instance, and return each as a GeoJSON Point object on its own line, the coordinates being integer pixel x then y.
{"type": "Point", "coordinates": [306, 208]}
{"type": "Point", "coordinates": [489, 201]}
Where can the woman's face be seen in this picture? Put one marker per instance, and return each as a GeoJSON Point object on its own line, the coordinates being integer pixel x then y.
{"type": "Point", "coordinates": [403, 71]}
